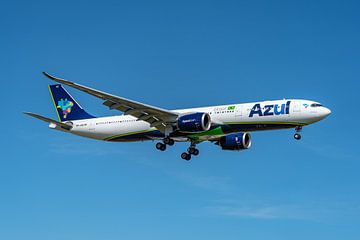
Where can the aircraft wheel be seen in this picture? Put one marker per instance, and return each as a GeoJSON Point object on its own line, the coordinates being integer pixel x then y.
{"type": "Point", "coordinates": [196, 152]}
{"type": "Point", "coordinates": [160, 146]}
{"type": "Point", "coordinates": [169, 141]}
{"type": "Point", "coordinates": [297, 136]}
{"type": "Point", "coordinates": [193, 151]}
{"type": "Point", "coordinates": [190, 150]}
{"type": "Point", "coordinates": [186, 156]}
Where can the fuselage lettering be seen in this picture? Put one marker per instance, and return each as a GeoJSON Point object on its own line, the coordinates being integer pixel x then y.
{"type": "Point", "coordinates": [269, 110]}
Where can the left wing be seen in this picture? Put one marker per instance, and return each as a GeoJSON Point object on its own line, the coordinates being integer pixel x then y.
{"type": "Point", "coordinates": [157, 117]}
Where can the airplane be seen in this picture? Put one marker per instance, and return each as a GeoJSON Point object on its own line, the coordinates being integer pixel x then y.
{"type": "Point", "coordinates": [228, 126]}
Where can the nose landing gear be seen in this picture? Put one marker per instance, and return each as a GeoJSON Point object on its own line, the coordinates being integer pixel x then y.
{"type": "Point", "coordinates": [297, 135]}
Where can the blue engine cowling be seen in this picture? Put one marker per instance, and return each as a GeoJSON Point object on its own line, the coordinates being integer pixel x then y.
{"type": "Point", "coordinates": [194, 122]}
{"type": "Point", "coordinates": [237, 141]}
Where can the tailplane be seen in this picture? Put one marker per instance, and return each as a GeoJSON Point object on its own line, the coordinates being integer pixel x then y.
{"type": "Point", "coordinates": [66, 107]}
{"type": "Point", "coordinates": [52, 123]}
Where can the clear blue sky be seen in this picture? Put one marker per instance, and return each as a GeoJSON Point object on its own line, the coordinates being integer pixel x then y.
{"type": "Point", "coordinates": [177, 55]}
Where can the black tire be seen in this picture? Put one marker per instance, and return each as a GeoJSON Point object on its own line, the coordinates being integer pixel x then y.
{"type": "Point", "coordinates": [160, 146]}
{"type": "Point", "coordinates": [171, 142]}
{"type": "Point", "coordinates": [191, 150]}
{"type": "Point", "coordinates": [163, 147]}
{"type": "Point", "coordinates": [185, 156]}
{"type": "Point", "coordinates": [196, 152]}
{"type": "Point", "coordinates": [167, 140]}
{"type": "Point", "coordinates": [297, 136]}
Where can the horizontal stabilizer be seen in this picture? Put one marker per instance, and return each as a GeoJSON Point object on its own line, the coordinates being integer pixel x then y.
{"type": "Point", "coordinates": [48, 120]}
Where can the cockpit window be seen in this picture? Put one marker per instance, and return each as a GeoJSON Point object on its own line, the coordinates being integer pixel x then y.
{"type": "Point", "coordinates": [316, 105]}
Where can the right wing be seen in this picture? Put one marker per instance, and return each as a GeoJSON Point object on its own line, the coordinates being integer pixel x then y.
{"type": "Point", "coordinates": [157, 117]}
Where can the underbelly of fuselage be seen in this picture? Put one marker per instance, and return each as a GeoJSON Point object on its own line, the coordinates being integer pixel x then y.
{"type": "Point", "coordinates": [219, 130]}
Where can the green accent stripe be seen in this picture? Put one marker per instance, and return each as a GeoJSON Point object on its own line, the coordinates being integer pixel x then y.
{"type": "Point", "coordinates": [53, 100]}
{"type": "Point", "coordinates": [128, 134]}
{"type": "Point", "coordinates": [214, 132]}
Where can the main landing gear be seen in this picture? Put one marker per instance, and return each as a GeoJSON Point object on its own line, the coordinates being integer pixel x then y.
{"type": "Point", "coordinates": [297, 135]}
{"type": "Point", "coordinates": [192, 150]}
{"type": "Point", "coordinates": [162, 146]}
{"type": "Point", "coordinates": [169, 141]}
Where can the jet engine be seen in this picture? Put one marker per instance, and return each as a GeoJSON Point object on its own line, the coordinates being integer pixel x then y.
{"type": "Point", "coordinates": [237, 141]}
{"type": "Point", "coordinates": [194, 122]}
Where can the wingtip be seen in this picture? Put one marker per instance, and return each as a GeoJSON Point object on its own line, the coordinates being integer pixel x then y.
{"type": "Point", "coordinates": [56, 79]}
{"type": "Point", "coordinates": [28, 113]}
{"type": "Point", "coordinates": [48, 75]}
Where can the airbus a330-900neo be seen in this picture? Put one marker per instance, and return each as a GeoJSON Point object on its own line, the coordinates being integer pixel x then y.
{"type": "Point", "coordinates": [227, 125]}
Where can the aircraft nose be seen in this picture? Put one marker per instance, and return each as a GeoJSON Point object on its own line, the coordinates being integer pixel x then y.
{"type": "Point", "coordinates": [326, 112]}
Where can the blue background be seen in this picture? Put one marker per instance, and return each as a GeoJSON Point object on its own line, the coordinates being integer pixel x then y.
{"type": "Point", "coordinates": [178, 55]}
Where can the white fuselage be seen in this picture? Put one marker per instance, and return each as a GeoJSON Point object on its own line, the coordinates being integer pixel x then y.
{"type": "Point", "coordinates": [246, 117]}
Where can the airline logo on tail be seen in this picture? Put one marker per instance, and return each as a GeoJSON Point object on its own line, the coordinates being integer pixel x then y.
{"type": "Point", "coordinates": [65, 106]}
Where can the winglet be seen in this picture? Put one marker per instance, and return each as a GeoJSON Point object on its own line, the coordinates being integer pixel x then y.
{"type": "Point", "coordinates": [59, 80]}
{"type": "Point", "coordinates": [48, 75]}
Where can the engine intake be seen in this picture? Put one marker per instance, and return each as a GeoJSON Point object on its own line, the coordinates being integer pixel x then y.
{"type": "Point", "coordinates": [194, 122]}
{"type": "Point", "coordinates": [238, 141]}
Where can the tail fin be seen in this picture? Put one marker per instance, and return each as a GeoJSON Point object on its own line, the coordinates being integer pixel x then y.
{"type": "Point", "coordinates": [66, 106]}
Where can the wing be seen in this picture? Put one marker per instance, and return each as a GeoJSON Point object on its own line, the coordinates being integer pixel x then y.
{"type": "Point", "coordinates": [157, 117]}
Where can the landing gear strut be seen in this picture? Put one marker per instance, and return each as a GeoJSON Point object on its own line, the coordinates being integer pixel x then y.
{"type": "Point", "coordinates": [192, 150]}
{"type": "Point", "coordinates": [297, 135]}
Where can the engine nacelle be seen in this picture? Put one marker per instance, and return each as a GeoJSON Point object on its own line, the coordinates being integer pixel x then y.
{"type": "Point", "coordinates": [237, 141]}
{"type": "Point", "coordinates": [194, 122]}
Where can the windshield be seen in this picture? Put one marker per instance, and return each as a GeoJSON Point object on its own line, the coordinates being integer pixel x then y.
{"type": "Point", "coordinates": [316, 105]}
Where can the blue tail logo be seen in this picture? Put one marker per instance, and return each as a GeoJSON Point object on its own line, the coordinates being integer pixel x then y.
{"type": "Point", "coordinates": [65, 106]}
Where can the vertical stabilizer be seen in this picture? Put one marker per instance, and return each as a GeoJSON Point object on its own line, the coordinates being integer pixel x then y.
{"type": "Point", "coordinates": [66, 107]}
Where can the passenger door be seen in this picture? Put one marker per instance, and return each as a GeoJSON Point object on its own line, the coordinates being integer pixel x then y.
{"type": "Point", "coordinates": [296, 107]}
{"type": "Point", "coordinates": [238, 112]}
